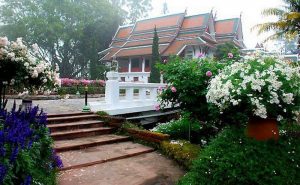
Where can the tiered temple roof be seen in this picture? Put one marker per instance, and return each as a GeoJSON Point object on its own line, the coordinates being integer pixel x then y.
{"type": "Point", "coordinates": [175, 32]}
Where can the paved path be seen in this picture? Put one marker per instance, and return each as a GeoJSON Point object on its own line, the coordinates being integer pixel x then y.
{"type": "Point", "coordinates": [146, 169]}
{"type": "Point", "coordinates": [57, 106]}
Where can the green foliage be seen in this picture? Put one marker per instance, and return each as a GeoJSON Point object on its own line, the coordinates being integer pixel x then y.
{"type": "Point", "coordinates": [73, 90]}
{"type": "Point", "coordinates": [155, 74]}
{"type": "Point", "coordinates": [223, 50]}
{"type": "Point", "coordinates": [182, 151]}
{"type": "Point", "coordinates": [232, 158]}
{"type": "Point", "coordinates": [287, 24]}
{"type": "Point", "coordinates": [98, 70]}
{"type": "Point", "coordinates": [137, 9]}
{"type": "Point", "coordinates": [179, 129]}
{"type": "Point", "coordinates": [132, 125]}
{"type": "Point", "coordinates": [69, 33]}
{"type": "Point", "coordinates": [102, 113]}
{"type": "Point", "coordinates": [191, 82]}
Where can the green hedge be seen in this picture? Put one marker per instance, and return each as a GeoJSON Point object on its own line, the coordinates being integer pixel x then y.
{"type": "Point", "coordinates": [182, 151]}
{"type": "Point", "coordinates": [232, 159]}
{"type": "Point", "coordinates": [73, 90]}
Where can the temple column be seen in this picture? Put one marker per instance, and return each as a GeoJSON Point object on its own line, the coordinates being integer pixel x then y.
{"type": "Point", "coordinates": [129, 65]}
{"type": "Point", "coordinates": [143, 64]}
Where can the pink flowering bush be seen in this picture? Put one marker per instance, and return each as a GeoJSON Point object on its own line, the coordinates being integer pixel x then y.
{"type": "Point", "coordinates": [67, 82]}
{"type": "Point", "coordinates": [188, 81]}
{"type": "Point", "coordinates": [71, 86]}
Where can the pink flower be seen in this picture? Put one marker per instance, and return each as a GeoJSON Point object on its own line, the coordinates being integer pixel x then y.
{"type": "Point", "coordinates": [160, 88]}
{"type": "Point", "coordinates": [85, 82]}
{"type": "Point", "coordinates": [208, 73]}
{"type": "Point", "coordinates": [230, 55]}
{"type": "Point", "coordinates": [157, 107]}
{"type": "Point", "coordinates": [165, 61]}
{"type": "Point", "coordinates": [173, 89]}
{"type": "Point", "coordinates": [201, 55]}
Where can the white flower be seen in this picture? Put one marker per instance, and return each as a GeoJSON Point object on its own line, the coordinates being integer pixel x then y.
{"type": "Point", "coordinates": [34, 74]}
{"type": "Point", "coordinates": [3, 41]}
{"type": "Point", "coordinates": [287, 98]}
{"type": "Point", "coordinates": [45, 80]}
{"type": "Point", "coordinates": [35, 48]}
{"type": "Point", "coordinates": [279, 118]}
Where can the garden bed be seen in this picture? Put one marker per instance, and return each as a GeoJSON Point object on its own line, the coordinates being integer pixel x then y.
{"type": "Point", "coordinates": [147, 135]}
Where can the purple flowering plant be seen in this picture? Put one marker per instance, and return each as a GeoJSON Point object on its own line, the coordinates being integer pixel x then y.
{"type": "Point", "coordinates": [26, 148]}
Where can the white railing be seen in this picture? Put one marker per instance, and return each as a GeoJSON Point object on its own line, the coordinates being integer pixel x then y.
{"type": "Point", "coordinates": [145, 91]}
{"type": "Point", "coordinates": [130, 77]}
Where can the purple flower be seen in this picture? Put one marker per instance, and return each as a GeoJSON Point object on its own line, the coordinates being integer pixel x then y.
{"type": "Point", "coordinates": [230, 55]}
{"type": "Point", "coordinates": [173, 89]}
{"type": "Point", "coordinates": [201, 55]}
{"type": "Point", "coordinates": [208, 73]}
{"type": "Point", "coordinates": [3, 170]}
{"type": "Point", "coordinates": [157, 107]}
{"type": "Point", "coordinates": [57, 162]}
{"type": "Point", "coordinates": [27, 180]}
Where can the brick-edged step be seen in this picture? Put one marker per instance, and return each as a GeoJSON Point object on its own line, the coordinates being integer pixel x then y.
{"type": "Point", "coordinates": [101, 154]}
{"type": "Point", "coordinates": [81, 143]}
{"type": "Point", "coordinates": [75, 125]}
{"type": "Point", "coordinates": [81, 133]}
{"type": "Point", "coordinates": [69, 114]}
{"type": "Point", "coordinates": [72, 118]}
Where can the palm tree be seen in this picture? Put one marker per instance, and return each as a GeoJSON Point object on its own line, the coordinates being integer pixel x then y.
{"type": "Point", "coordinates": [288, 24]}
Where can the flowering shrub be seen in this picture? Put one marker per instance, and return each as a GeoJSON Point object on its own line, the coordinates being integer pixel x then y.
{"type": "Point", "coordinates": [22, 67]}
{"type": "Point", "coordinates": [26, 155]}
{"type": "Point", "coordinates": [188, 81]}
{"type": "Point", "coordinates": [262, 87]}
{"type": "Point", "coordinates": [67, 82]}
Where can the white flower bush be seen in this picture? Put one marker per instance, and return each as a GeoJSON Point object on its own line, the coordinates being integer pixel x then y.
{"type": "Point", "coordinates": [22, 67]}
{"type": "Point", "coordinates": [260, 87]}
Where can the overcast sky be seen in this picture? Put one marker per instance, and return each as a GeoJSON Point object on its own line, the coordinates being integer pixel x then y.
{"type": "Point", "coordinates": [251, 12]}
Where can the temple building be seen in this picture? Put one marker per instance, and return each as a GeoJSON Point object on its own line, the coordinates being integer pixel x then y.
{"type": "Point", "coordinates": [185, 36]}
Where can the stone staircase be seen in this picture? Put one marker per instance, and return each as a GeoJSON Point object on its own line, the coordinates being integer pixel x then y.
{"type": "Point", "coordinates": [82, 140]}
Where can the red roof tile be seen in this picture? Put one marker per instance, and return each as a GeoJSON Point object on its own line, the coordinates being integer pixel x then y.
{"type": "Point", "coordinates": [147, 42]}
{"type": "Point", "coordinates": [225, 26]}
{"type": "Point", "coordinates": [118, 44]}
{"type": "Point", "coordinates": [138, 51]}
{"type": "Point", "coordinates": [195, 21]}
{"type": "Point", "coordinates": [159, 22]}
{"type": "Point", "coordinates": [189, 35]}
{"type": "Point", "coordinates": [178, 45]}
{"type": "Point", "coordinates": [110, 54]}
{"type": "Point", "coordinates": [124, 32]}
{"type": "Point", "coordinates": [150, 35]}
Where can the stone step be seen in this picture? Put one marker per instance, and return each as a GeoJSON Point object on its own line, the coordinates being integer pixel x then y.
{"type": "Point", "coordinates": [75, 125]}
{"type": "Point", "coordinates": [68, 114]}
{"type": "Point", "coordinates": [72, 118]}
{"type": "Point", "coordinates": [79, 133]}
{"type": "Point", "coordinates": [101, 154]}
{"type": "Point", "coordinates": [82, 143]}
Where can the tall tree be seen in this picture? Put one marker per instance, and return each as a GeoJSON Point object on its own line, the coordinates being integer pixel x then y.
{"type": "Point", "coordinates": [165, 9]}
{"type": "Point", "coordinates": [138, 9]}
{"type": "Point", "coordinates": [68, 32]}
{"type": "Point", "coordinates": [288, 24]}
{"type": "Point", "coordinates": [155, 74]}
